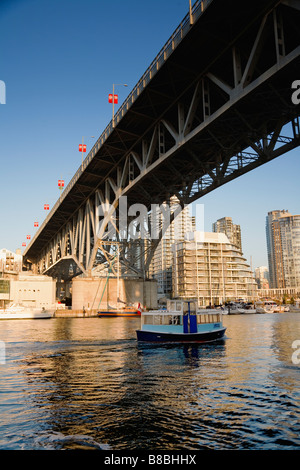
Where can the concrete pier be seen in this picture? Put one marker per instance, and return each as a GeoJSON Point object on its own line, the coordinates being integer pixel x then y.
{"type": "Point", "coordinates": [92, 293]}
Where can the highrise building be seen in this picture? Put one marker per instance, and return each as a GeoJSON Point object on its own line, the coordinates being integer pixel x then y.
{"type": "Point", "coordinates": [262, 277]}
{"type": "Point", "coordinates": [210, 268]}
{"type": "Point", "coordinates": [161, 264]}
{"type": "Point", "coordinates": [282, 239]}
{"type": "Point", "coordinates": [231, 230]}
{"type": "Point", "coordinates": [288, 227]}
{"type": "Point", "coordinates": [274, 248]}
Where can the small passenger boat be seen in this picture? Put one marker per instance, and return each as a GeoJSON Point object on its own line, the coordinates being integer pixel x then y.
{"type": "Point", "coordinates": [181, 322]}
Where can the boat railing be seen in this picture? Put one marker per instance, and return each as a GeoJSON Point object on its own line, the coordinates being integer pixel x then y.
{"type": "Point", "coordinates": [209, 318]}
{"type": "Point", "coordinates": [167, 318]}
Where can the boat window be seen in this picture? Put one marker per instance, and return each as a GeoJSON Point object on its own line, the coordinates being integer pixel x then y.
{"type": "Point", "coordinates": [174, 320]}
{"type": "Point", "coordinates": [208, 318]}
{"type": "Point", "coordinates": [192, 308]}
{"type": "Point", "coordinates": [157, 319]}
{"type": "Point", "coordinates": [185, 307]}
{"type": "Point", "coordinates": [148, 319]}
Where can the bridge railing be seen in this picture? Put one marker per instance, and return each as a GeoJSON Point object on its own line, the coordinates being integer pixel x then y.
{"type": "Point", "coordinates": [180, 32]}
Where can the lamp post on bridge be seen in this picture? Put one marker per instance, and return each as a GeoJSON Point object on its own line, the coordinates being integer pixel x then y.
{"type": "Point", "coordinates": [191, 14]}
{"type": "Point", "coordinates": [112, 98]}
{"type": "Point", "coordinates": [82, 149]}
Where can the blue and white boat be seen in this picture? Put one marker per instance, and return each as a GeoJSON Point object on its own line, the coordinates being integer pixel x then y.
{"type": "Point", "coordinates": [181, 322]}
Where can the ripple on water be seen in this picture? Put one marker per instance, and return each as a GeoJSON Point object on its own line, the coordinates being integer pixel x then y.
{"type": "Point", "coordinates": [69, 385]}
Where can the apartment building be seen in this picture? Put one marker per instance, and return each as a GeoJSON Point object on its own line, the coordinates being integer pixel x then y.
{"type": "Point", "coordinates": [283, 244]}
{"type": "Point", "coordinates": [10, 261]}
{"type": "Point", "coordinates": [208, 267]}
{"type": "Point", "coordinates": [231, 230]}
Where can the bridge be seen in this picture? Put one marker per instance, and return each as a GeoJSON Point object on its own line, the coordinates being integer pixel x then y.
{"type": "Point", "coordinates": [214, 104]}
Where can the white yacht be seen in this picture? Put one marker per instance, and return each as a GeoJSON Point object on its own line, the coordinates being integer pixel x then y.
{"type": "Point", "coordinates": [20, 312]}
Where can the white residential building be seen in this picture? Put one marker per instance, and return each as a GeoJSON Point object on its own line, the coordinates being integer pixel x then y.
{"type": "Point", "coordinates": [206, 266]}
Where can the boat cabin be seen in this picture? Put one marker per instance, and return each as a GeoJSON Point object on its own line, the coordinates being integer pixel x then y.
{"type": "Point", "coordinates": [180, 317]}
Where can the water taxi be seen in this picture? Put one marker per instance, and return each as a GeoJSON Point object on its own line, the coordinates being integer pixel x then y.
{"type": "Point", "coordinates": [181, 322]}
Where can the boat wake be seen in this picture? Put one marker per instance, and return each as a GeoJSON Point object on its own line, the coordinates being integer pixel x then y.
{"type": "Point", "coordinates": [58, 441]}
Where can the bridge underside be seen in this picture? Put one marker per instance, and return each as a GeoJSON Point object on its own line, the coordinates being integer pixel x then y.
{"type": "Point", "coordinates": [218, 105]}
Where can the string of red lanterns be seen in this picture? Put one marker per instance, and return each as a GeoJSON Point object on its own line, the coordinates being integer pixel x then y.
{"type": "Point", "coordinates": [112, 98]}
{"type": "Point", "coordinates": [61, 184]}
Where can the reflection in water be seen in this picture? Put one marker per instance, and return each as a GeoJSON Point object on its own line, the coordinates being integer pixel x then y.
{"type": "Point", "coordinates": [87, 383]}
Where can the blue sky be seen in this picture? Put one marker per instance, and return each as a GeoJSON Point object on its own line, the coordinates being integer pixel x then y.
{"type": "Point", "coordinates": [59, 59]}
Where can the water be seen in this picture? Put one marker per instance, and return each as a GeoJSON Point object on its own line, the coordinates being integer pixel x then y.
{"type": "Point", "coordinates": [86, 384]}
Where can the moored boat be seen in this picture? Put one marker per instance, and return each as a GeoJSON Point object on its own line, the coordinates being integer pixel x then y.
{"type": "Point", "coordinates": [20, 312]}
{"type": "Point", "coordinates": [295, 308]}
{"type": "Point", "coordinates": [267, 306]}
{"type": "Point", "coordinates": [181, 322]}
{"type": "Point", "coordinates": [235, 309]}
{"type": "Point", "coordinates": [120, 312]}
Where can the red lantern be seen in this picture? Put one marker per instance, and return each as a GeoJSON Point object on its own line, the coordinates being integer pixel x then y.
{"type": "Point", "coordinates": [23, 244]}
{"type": "Point", "coordinates": [46, 207]}
{"type": "Point", "coordinates": [28, 237]}
{"type": "Point", "coordinates": [36, 224]}
{"type": "Point", "coordinates": [61, 183]}
{"type": "Point", "coordinates": [82, 148]}
{"type": "Point", "coordinates": [112, 98]}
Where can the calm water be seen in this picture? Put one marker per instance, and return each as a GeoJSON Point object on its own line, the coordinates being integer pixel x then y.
{"type": "Point", "coordinates": [86, 384]}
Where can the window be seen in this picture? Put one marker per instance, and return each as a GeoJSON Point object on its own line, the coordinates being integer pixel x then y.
{"type": "Point", "coordinates": [4, 286]}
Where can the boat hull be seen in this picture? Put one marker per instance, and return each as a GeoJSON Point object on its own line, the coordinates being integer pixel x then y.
{"type": "Point", "coordinates": [119, 313]}
{"type": "Point", "coordinates": [25, 316]}
{"type": "Point", "coordinates": [161, 337]}
{"type": "Point", "coordinates": [294, 309]}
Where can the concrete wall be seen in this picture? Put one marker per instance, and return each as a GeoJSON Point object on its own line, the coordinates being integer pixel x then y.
{"type": "Point", "coordinates": [33, 291]}
{"type": "Point", "coordinates": [93, 293]}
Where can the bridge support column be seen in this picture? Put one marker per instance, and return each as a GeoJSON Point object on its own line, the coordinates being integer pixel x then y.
{"type": "Point", "coordinates": [94, 293]}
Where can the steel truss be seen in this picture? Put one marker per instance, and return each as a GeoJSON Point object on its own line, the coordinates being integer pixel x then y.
{"type": "Point", "coordinates": [230, 118]}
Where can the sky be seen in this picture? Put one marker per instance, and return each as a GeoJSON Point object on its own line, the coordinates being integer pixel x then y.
{"type": "Point", "coordinates": [59, 59]}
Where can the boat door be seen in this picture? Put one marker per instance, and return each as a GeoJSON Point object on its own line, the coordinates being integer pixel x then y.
{"type": "Point", "coordinates": [189, 317]}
